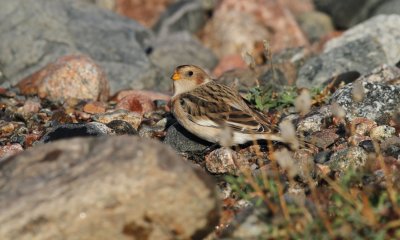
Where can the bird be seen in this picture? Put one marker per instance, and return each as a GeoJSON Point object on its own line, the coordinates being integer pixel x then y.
{"type": "Point", "coordinates": [207, 108]}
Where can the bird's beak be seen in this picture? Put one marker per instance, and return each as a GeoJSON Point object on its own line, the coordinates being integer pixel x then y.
{"type": "Point", "coordinates": [176, 76]}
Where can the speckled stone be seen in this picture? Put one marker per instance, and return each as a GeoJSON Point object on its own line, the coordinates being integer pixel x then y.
{"type": "Point", "coordinates": [348, 158]}
{"type": "Point", "coordinates": [379, 99]}
{"type": "Point", "coordinates": [382, 132]}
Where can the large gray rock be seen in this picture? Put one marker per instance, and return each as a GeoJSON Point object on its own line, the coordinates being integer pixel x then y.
{"type": "Point", "coordinates": [383, 74]}
{"type": "Point", "coordinates": [347, 13]}
{"type": "Point", "coordinates": [179, 49]}
{"type": "Point", "coordinates": [379, 93]}
{"type": "Point", "coordinates": [377, 101]}
{"type": "Point", "coordinates": [184, 15]}
{"type": "Point", "coordinates": [34, 33]}
{"type": "Point", "coordinates": [104, 188]}
{"type": "Point", "coordinates": [360, 55]}
{"type": "Point", "coordinates": [388, 7]}
{"type": "Point", "coordinates": [383, 29]}
{"type": "Point", "coordinates": [315, 25]}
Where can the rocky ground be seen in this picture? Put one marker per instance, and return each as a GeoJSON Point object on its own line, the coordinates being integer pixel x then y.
{"type": "Point", "coordinates": [90, 150]}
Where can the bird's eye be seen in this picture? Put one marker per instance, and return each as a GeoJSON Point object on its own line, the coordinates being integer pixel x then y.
{"type": "Point", "coordinates": [190, 73]}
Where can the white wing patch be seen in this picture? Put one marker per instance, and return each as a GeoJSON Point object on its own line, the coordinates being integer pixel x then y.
{"type": "Point", "coordinates": [204, 122]}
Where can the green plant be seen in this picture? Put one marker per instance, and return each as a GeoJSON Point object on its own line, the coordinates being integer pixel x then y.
{"type": "Point", "coordinates": [276, 99]}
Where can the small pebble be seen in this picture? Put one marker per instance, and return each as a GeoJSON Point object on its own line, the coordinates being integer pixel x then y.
{"type": "Point", "coordinates": [9, 150]}
{"type": "Point", "coordinates": [383, 132]}
{"type": "Point", "coordinates": [322, 157]}
{"type": "Point", "coordinates": [367, 145]}
{"type": "Point", "coordinates": [94, 107]}
{"type": "Point", "coordinates": [345, 159]}
{"type": "Point", "coordinates": [224, 160]}
{"type": "Point", "coordinates": [121, 127]}
{"type": "Point", "coordinates": [362, 126]}
{"type": "Point", "coordinates": [6, 128]}
{"type": "Point", "coordinates": [132, 118]}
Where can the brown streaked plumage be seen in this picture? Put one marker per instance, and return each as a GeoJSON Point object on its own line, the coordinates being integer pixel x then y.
{"type": "Point", "coordinates": [205, 107]}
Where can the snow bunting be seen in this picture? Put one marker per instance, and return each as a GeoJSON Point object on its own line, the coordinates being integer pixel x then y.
{"type": "Point", "coordinates": [207, 108]}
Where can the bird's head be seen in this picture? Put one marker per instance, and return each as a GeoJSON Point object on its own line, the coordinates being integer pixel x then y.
{"type": "Point", "coordinates": [188, 77]}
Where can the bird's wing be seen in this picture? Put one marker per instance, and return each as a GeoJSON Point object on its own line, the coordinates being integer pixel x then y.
{"type": "Point", "coordinates": [217, 106]}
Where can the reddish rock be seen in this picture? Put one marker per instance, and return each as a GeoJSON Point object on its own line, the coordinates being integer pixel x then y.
{"type": "Point", "coordinates": [299, 6]}
{"type": "Point", "coordinates": [241, 25]}
{"type": "Point", "coordinates": [135, 104]}
{"type": "Point", "coordinates": [322, 170]}
{"type": "Point", "coordinates": [138, 100]}
{"type": "Point", "coordinates": [3, 91]}
{"type": "Point", "coordinates": [94, 107]}
{"type": "Point", "coordinates": [147, 94]}
{"type": "Point", "coordinates": [319, 46]}
{"type": "Point", "coordinates": [9, 150]}
{"type": "Point", "coordinates": [362, 126]}
{"type": "Point", "coordinates": [73, 76]}
{"type": "Point", "coordinates": [30, 106]}
{"type": "Point", "coordinates": [227, 63]}
{"type": "Point", "coordinates": [31, 138]}
{"type": "Point", "coordinates": [146, 12]}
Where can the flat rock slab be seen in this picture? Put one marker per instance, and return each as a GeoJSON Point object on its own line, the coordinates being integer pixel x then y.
{"type": "Point", "coordinates": [104, 188]}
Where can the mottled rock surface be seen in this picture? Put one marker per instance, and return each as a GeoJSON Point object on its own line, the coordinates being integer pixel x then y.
{"type": "Point", "coordinates": [380, 133]}
{"type": "Point", "coordinates": [360, 55]}
{"type": "Point", "coordinates": [225, 161]}
{"type": "Point", "coordinates": [34, 33]}
{"type": "Point", "coordinates": [9, 150]}
{"type": "Point", "coordinates": [239, 25]}
{"type": "Point", "coordinates": [104, 188]}
{"type": "Point", "coordinates": [382, 29]}
{"type": "Point", "coordinates": [388, 7]}
{"type": "Point", "coordinates": [347, 13]}
{"type": "Point", "coordinates": [75, 76]}
{"type": "Point", "coordinates": [378, 100]}
{"type": "Point", "coordinates": [346, 159]}
{"type": "Point", "coordinates": [180, 48]}
{"type": "Point", "coordinates": [132, 118]}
